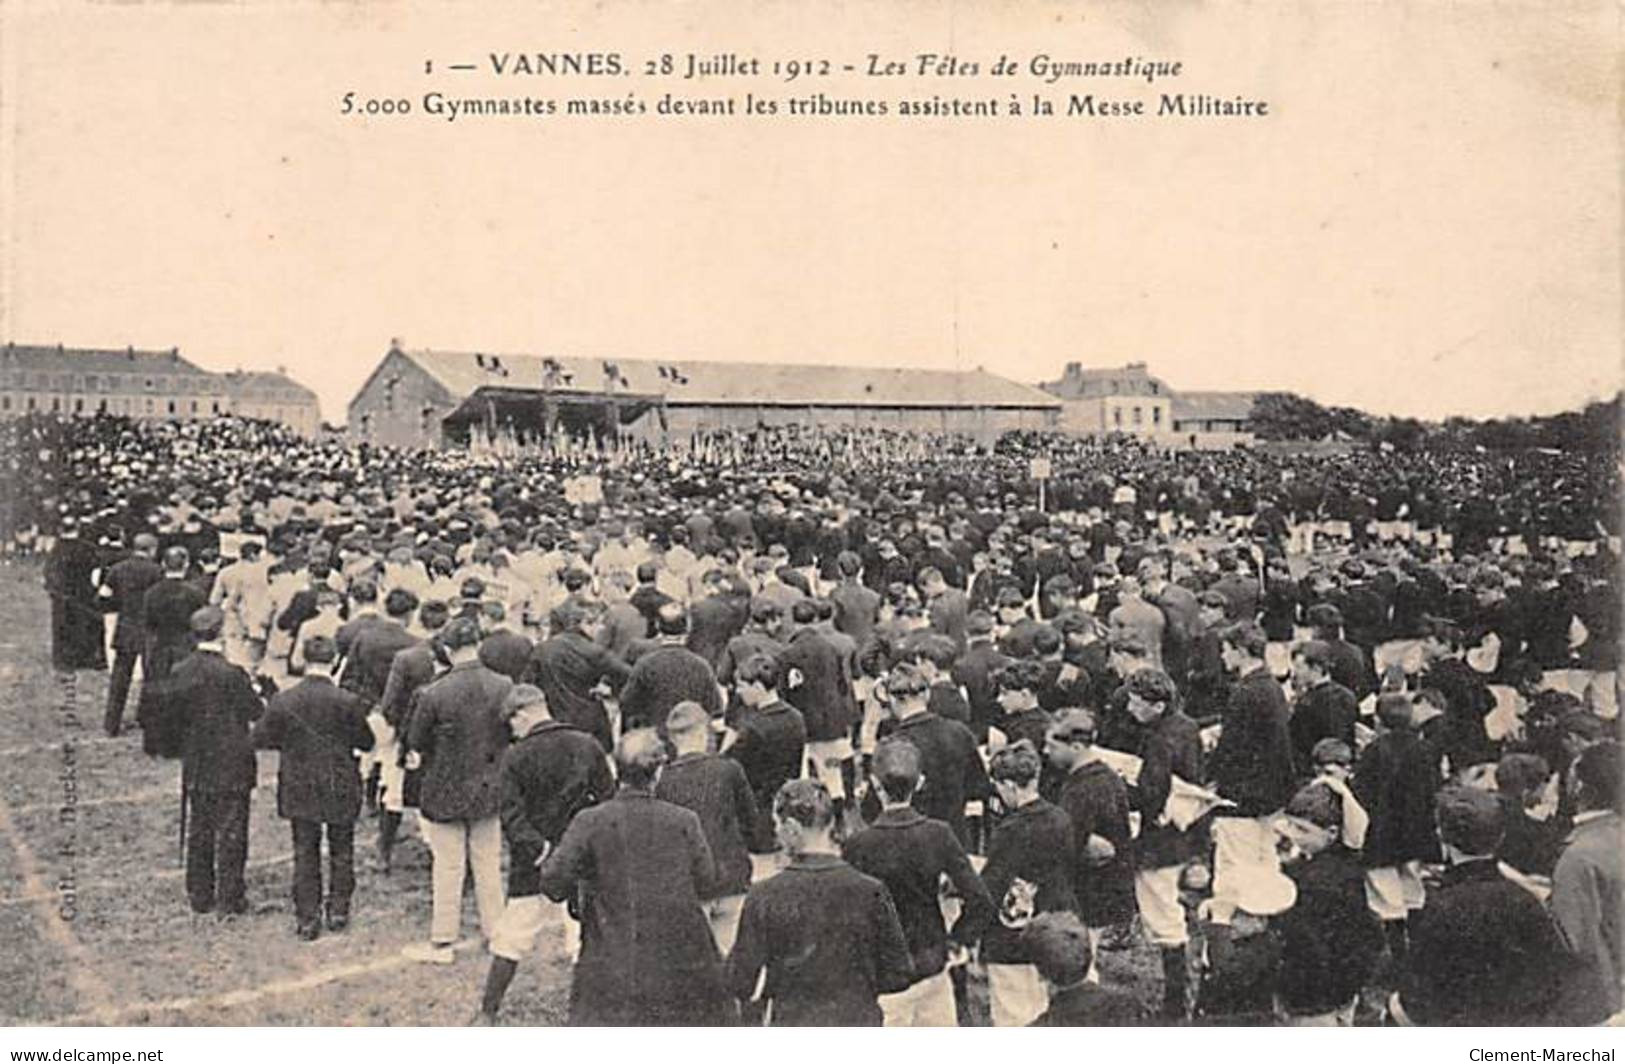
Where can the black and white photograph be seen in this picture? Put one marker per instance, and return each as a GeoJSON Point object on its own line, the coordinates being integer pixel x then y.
{"type": "Point", "coordinates": [921, 514]}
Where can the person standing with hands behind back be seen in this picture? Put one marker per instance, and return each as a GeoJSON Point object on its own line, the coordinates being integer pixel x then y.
{"type": "Point", "coordinates": [552, 771]}
{"type": "Point", "coordinates": [318, 727]}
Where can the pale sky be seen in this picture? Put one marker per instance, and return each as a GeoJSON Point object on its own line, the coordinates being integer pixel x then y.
{"type": "Point", "coordinates": [1427, 224]}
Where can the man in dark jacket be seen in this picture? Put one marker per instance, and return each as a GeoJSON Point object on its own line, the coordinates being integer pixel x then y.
{"type": "Point", "coordinates": [503, 650]}
{"type": "Point", "coordinates": [457, 735]}
{"type": "Point", "coordinates": [716, 790]}
{"type": "Point", "coordinates": [667, 675]}
{"type": "Point", "coordinates": [1252, 767]}
{"type": "Point", "coordinates": [1330, 940]}
{"type": "Point", "coordinates": [1171, 746]}
{"type": "Point", "coordinates": [166, 612]}
{"type": "Point", "coordinates": [770, 740]}
{"type": "Point", "coordinates": [208, 707]}
{"type": "Point", "coordinates": [1396, 782]}
{"type": "Point", "coordinates": [815, 682]}
{"type": "Point", "coordinates": [1028, 872]}
{"type": "Point", "coordinates": [551, 772]}
{"type": "Point", "coordinates": [1484, 951]}
{"type": "Point", "coordinates": [949, 760]}
{"type": "Point", "coordinates": [125, 585]}
{"type": "Point", "coordinates": [636, 867]}
{"type": "Point", "coordinates": [1062, 952]}
{"type": "Point", "coordinates": [974, 671]}
{"type": "Point", "coordinates": [717, 616]}
{"type": "Point", "coordinates": [825, 935]}
{"type": "Point", "coordinates": [912, 855]}
{"type": "Point", "coordinates": [569, 666]}
{"type": "Point", "coordinates": [1324, 708]}
{"type": "Point", "coordinates": [1467, 698]}
{"type": "Point", "coordinates": [410, 670]}
{"type": "Point", "coordinates": [318, 727]}
{"type": "Point", "coordinates": [1095, 798]}
{"type": "Point", "coordinates": [1351, 665]}
{"type": "Point", "coordinates": [77, 629]}
{"type": "Point", "coordinates": [857, 607]}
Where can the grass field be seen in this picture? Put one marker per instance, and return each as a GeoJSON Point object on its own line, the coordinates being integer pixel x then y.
{"type": "Point", "coordinates": [95, 917]}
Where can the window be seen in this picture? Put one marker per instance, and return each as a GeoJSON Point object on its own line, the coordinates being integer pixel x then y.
{"type": "Point", "coordinates": [101, 406]}
{"type": "Point", "coordinates": [1117, 416]}
{"type": "Point", "coordinates": [194, 407]}
{"type": "Point", "coordinates": [31, 403]}
{"type": "Point", "coordinates": [91, 383]}
{"type": "Point", "coordinates": [214, 407]}
{"type": "Point", "coordinates": [149, 406]}
{"type": "Point", "coordinates": [79, 405]}
{"type": "Point", "coordinates": [171, 406]}
{"type": "Point", "coordinates": [149, 384]}
{"type": "Point", "coordinates": [1138, 418]}
{"type": "Point", "coordinates": [5, 402]}
{"type": "Point", "coordinates": [1156, 415]}
{"type": "Point", "coordinates": [1153, 387]}
{"type": "Point", "coordinates": [56, 404]}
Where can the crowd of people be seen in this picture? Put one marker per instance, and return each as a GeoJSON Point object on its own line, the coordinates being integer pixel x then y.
{"type": "Point", "coordinates": [803, 726]}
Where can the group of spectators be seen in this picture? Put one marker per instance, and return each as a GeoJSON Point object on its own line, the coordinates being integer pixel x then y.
{"type": "Point", "coordinates": [820, 728]}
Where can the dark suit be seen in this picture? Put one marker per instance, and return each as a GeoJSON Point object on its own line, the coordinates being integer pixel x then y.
{"type": "Point", "coordinates": [1028, 871]}
{"type": "Point", "coordinates": [830, 941]}
{"type": "Point", "coordinates": [366, 667]}
{"type": "Point", "coordinates": [567, 667]}
{"type": "Point", "coordinates": [318, 727]}
{"type": "Point", "coordinates": [637, 866]}
{"type": "Point", "coordinates": [712, 622]}
{"type": "Point", "coordinates": [715, 789]}
{"type": "Point", "coordinates": [951, 768]}
{"type": "Point", "coordinates": [856, 610]}
{"type": "Point", "coordinates": [1484, 952]}
{"type": "Point", "coordinates": [167, 609]}
{"type": "Point", "coordinates": [459, 730]}
{"type": "Point", "coordinates": [823, 693]}
{"type": "Point", "coordinates": [1170, 747]}
{"type": "Point", "coordinates": [771, 746]}
{"type": "Point", "coordinates": [911, 854]}
{"type": "Point", "coordinates": [1252, 764]}
{"type": "Point", "coordinates": [974, 671]}
{"type": "Point", "coordinates": [128, 580]}
{"type": "Point", "coordinates": [1088, 1005]}
{"type": "Point", "coordinates": [1326, 711]}
{"type": "Point", "coordinates": [1096, 800]}
{"type": "Point", "coordinates": [662, 678]}
{"type": "Point", "coordinates": [208, 706]}
{"type": "Point", "coordinates": [507, 653]}
{"type": "Point", "coordinates": [1396, 781]}
{"type": "Point", "coordinates": [548, 777]}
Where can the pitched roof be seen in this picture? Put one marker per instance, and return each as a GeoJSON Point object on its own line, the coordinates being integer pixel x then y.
{"type": "Point", "coordinates": [1214, 406]}
{"type": "Point", "coordinates": [1079, 382]}
{"type": "Point", "coordinates": [96, 360]}
{"type": "Point", "coordinates": [740, 383]}
{"type": "Point", "coordinates": [258, 382]}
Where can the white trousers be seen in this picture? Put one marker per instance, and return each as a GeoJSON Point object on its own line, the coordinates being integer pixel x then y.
{"type": "Point", "coordinates": [1016, 994]}
{"type": "Point", "coordinates": [928, 1003]}
{"type": "Point", "coordinates": [1243, 850]}
{"type": "Point", "coordinates": [1156, 891]}
{"type": "Point", "coordinates": [458, 845]}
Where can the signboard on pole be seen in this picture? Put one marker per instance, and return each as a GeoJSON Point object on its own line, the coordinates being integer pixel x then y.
{"type": "Point", "coordinates": [1041, 469]}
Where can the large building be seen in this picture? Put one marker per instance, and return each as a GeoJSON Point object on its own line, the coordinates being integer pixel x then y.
{"type": "Point", "coordinates": [1128, 399]}
{"type": "Point", "coordinates": [432, 398]}
{"type": "Point", "coordinates": [144, 384]}
{"type": "Point", "coordinates": [273, 397]}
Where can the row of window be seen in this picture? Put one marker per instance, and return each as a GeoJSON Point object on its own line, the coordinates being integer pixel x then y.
{"type": "Point", "coordinates": [1138, 416]}
{"type": "Point", "coordinates": [90, 382]}
{"type": "Point", "coordinates": [79, 404]}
